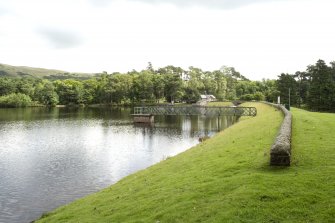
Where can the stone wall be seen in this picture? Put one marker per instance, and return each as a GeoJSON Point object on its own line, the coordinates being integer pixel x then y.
{"type": "Point", "coordinates": [280, 153]}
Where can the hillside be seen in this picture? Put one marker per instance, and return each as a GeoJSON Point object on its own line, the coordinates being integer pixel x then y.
{"type": "Point", "coordinates": [23, 71]}
{"type": "Point", "coordinates": [227, 179]}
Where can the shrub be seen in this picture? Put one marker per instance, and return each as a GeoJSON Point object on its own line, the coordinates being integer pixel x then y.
{"type": "Point", "coordinates": [15, 100]}
{"type": "Point", "coordinates": [258, 96]}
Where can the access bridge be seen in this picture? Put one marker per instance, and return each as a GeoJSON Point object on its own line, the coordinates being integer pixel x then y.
{"type": "Point", "coordinates": [147, 113]}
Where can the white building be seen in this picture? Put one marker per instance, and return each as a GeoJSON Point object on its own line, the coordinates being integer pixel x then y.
{"type": "Point", "coordinates": [208, 97]}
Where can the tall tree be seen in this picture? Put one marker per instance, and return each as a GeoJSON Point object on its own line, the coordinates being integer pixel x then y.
{"type": "Point", "coordinates": [70, 91]}
{"type": "Point", "coordinates": [173, 90]}
{"type": "Point", "coordinates": [230, 75]}
{"type": "Point", "coordinates": [45, 93]}
{"type": "Point", "coordinates": [90, 94]}
{"type": "Point", "coordinates": [321, 86]}
{"type": "Point", "coordinates": [287, 87]}
{"type": "Point", "coordinates": [221, 85]}
{"type": "Point", "coordinates": [303, 85]}
{"type": "Point", "coordinates": [158, 84]}
{"type": "Point", "coordinates": [143, 86]}
{"type": "Point", "coordinates": [270, 90]}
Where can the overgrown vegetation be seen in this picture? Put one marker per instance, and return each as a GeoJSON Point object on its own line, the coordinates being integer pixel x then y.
{"type": "Point", "coordinates": [227, 179]}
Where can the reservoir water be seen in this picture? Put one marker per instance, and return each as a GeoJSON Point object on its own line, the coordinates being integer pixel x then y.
{"type": "Point", "coordinates": [52, 156]}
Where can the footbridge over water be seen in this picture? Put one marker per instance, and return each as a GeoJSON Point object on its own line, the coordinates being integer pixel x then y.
{"type": "Point", "coordinates": [147, 113]}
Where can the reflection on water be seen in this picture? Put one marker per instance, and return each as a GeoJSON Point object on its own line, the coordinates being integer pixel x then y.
{"type": "Point", "coordinates": [51, 156]}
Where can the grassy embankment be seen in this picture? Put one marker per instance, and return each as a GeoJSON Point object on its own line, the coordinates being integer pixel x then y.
{"type": "Point", "coordinates": [227, 179]}
{"type": "Point", "coordinates": [219, 103]}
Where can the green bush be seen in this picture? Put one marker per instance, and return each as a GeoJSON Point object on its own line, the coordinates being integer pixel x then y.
{"type": "Point", "coordinates": [247, 97]}
{"type": "Point", "coordinates": [258, 96]}
{"type": "Point", "coordinates": [15, 100]}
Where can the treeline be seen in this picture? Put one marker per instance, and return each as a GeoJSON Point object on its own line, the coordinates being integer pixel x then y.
{"type": "Point", "coordinates": [165, 84]}
{"type": "Point", "coordinates": [313, 88]}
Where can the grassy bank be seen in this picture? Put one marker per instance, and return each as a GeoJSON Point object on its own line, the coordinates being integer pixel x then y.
{"type": "Point", "coordinates": [219, 103]}
{"type": "Point", "coordinates": [227, 179]}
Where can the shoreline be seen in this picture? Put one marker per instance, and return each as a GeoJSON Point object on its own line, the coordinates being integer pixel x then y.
{"type": "Point", "coordinates": [147, 169]}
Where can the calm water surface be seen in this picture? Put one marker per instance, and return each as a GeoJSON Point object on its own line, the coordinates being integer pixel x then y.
{"type": "Point", "coordinates": [49, 157]}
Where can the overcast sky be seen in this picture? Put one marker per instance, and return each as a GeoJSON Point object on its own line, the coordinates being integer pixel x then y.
{"type": "Point", "coordinates": [260, 38]}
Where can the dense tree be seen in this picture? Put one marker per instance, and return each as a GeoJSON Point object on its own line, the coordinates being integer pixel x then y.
{"type": "Point", "coordinates": [321, 92]}
{"type": "Point", "coordinates": [169, 83]}
{"type": "Point", "coordinates": [221, 85]}
{"type": "Point", "coordinates": [209, 84]}
{"type": "Point", "coordinates": [245, 87]}
{"type": "Point", "coordinates": [230, 75]}
{"type": "Point", "coordinates": [287, 86]}
{"type": "Point", "coordinates": [314, 87]}
{"type": "Point", "coordinates": [172, 70]}
{"type": "Point", "coordinates": [143, 86]}
{"type": "Point", "coordinates": [7, 86]}
{"type": "Point", "coordinates": [158, 85]}
{"type": "Point", "coordinates": [173, 87]}
{"type": "Point", "coordinates": [270, 91]}
{"type": "Point", "coordinates": [121, 85]}
{"type": "Point", "coordinates": [69, 91]}
{"type": "Point", "coordinates": [102, 91]}
{"type": "Point", "coordinates": [26, 86]}
{"type": "Point", "coordinates": [45, 93]}
{"type": "Point", "coordinates": [303, 85]}
{"type": "Point", "coordinates": [90, 94]}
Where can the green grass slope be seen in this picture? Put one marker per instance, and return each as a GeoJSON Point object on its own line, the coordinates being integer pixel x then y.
{"type": "Point", "coordinates": [227, 179]}
{"type": "Point", "coordinates": [22, 71]}
{"type": "Point", "coordinates": [219, 103]}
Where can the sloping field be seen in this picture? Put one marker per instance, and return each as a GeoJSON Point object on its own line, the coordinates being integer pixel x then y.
{"type": "Point", "coordinates": [227, 179]}
{"type": "Point", "coordinates": [23, 71]}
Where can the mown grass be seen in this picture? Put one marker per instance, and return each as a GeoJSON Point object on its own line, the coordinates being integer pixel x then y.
{"type": "Point", "coordinates": [227, 179]}
{"type": "Point", "coordinates": [220, 103]}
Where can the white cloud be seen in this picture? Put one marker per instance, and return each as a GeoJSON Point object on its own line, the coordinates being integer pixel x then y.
{"type": "Point", "coordinates": [259, 40]}
{"type": "Point", "coordinates": [60, 38]}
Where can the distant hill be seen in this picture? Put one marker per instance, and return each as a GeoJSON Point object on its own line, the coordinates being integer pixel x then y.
{"type": "Point", "coordinates": [23, 71]}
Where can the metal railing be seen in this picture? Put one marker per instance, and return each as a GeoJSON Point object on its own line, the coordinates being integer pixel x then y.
{"type": "Point", "coordinates": [196, 110]}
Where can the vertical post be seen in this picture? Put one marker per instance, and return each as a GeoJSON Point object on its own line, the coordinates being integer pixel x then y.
{"type": "Point", "coordinates": [289, 98]}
